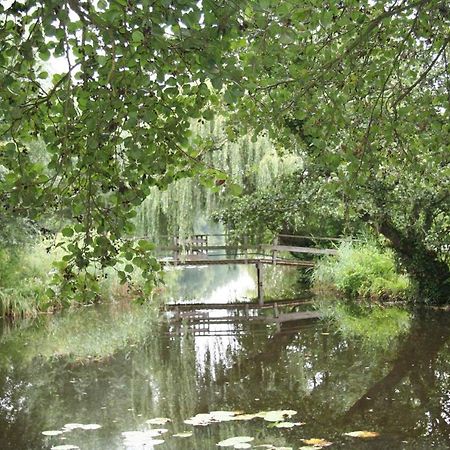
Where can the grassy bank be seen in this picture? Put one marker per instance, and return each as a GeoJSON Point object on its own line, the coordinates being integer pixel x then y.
{"type": "Point", "coordinates": [361, 270]}
{"type": "Point", "coordinates": [25, 279]}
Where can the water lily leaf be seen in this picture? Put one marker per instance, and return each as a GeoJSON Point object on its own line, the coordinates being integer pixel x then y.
{"type": "Point", "coordinates": [245, 417]}
{"type": "Point", "coordinates": [285, 424]}
{"type": "Point", "coordinates": [276, 416]}
{"type": "Point", "coordinates": [158, 421]}
{"type": "Point", "coordinates": [214, 416]}
{"type": "Point", "coordinates": [317, 442]}
{"type": "Point", "coordinates": [65, 447]}
{"type": "Point", "coordinates": [183, 435]}
{"type": "Point", "coordinates": [141, 438]}
{"type": "Point", "coordinates": [72, 426]}
{"type": "Point", "coordinates": [232, 442]}
{"type": "Point", "coordinates": [363, 434]}
{"type": "Point", "coordinates": [91, 426]}
{"type": "Point", "coordinates": [52, 432]}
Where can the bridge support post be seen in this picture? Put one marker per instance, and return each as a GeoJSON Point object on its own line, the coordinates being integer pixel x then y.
{"type": "Point", "coordinates": [259, 274]}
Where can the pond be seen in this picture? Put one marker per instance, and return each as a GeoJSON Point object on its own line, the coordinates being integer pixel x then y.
{"type": "Point", "coordinates": [97, 378]}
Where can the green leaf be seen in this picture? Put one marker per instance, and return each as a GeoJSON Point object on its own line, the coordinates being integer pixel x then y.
{"type": "Point", "coordinates": [137, 36]}
{"type": "Point", "coordinates": [67, 232]}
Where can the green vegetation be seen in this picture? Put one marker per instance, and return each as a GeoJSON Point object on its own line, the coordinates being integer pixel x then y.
{"type": "Point", "coordinates": [25, 278]}
{"type": "Point", "coordinates": [82, 335]}
{"type": "Point", "coordinates": [375, 325]}
{"type": "Point", "coordinates": [346, 103]}
{"type": "Point", "coordinates": [361, 270]}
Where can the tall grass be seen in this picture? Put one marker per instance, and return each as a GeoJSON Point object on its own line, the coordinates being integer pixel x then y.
{"type": "Point", "coordinates": [361, 270]}
{"type": "Point", "coordinates": [25, 277]}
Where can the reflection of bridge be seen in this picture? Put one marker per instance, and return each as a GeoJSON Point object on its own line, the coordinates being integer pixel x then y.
{"type": "Point", "coordinates": [212, 249]}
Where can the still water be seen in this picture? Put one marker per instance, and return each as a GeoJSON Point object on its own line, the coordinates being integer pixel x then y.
{"type": "Point", "coordinates": [116, 368]}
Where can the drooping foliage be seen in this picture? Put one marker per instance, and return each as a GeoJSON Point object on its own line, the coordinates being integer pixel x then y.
{"type": "Point", "coordinates": [110, 88]}
{"type": "Point", "coordinates": [365, 87]}
{"type": "Point", "coordinates": [249, 165]}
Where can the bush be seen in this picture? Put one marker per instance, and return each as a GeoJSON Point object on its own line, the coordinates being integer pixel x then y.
{"type": "Point", "coordinates": [361, 270]}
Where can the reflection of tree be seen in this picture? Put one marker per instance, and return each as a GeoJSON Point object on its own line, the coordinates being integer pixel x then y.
{"type": "Point", "coordinates": [325, 377]}
{"type": "Point", "coordinates": [414, 381]}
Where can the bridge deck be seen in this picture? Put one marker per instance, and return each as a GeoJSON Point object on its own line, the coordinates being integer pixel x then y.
{"type": "Point", "coordinates": [205, 261]}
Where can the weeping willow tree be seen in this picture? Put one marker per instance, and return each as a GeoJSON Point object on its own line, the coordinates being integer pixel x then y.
{"type": "Point", "coordinates": [242, 164]}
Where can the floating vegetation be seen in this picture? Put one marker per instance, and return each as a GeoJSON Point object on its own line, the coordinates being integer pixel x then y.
{"type": "Point", "coordinates": [363, 434]}
{"type": "Point", "coordinates": [204, 419]}
{"type": "Point", "coordinates": [91, 426]}
{"type": "Point", "coordinates": [143, 438]}
{"type": "Point", "coordinates": [214, 416]}
{"type": "Point", "coordinates": [236, 442]}
{"type": "Point", "coordinates": [158, 421]}
{"type": "Point", "coordinates": [70, 427]}
{"type": "Point", "coordinates": [288, 424]}
{"type": "Point", "coordinates": [52, 432]}
{"type": "Point", "coordinates": [276, 416]}
{"type": "Point", "coordinates": [65, 447]}
{"type": "Point", "coordinates": [315, 442]}
{"type": "Point", "coordinates": [185, 434]}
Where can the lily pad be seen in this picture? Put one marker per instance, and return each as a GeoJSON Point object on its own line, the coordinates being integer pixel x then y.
{"type": "Point", "coordinates": [91, 426]}
{"type": "Point", "coordinates": [52, 432]}
{"type": "Point", "coordinates": [204, 419]}
{"type": "Point", "coordinates": [285, 425]}
{"type": "Point", "coordinates": [276, 416]}
{"type": "Point", "coordinates": [245, 417]}
{"type": "Point", "coordinates": [317, 442]}
{"type": "Point", "coordinates": [141, 438]}
{"type": "Point", "coordinates": [363, 434]}
{"type": "Point", "coordinates": [72, 426]}
{"type": "Point", "coordinates": [232, 442]}
{"type": "Point", "coordinates": [185, 434]}
{"type": "Point", "coordinates": [158, 421]}
{"type": "Point", "coordinates": [65, 447]}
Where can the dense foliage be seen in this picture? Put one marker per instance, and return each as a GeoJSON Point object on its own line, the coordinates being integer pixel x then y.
{"type": "Point", "coordinates": [358, 89]}
{"type": "Point", "coordinates": [365, 87]}
{"type": "Point", "coordinates": [109, 88]}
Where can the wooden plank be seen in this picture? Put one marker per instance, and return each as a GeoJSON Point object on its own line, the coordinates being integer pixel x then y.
{"type": "Point", "coordinates": [208, 262]}
{"type": "Point", "coordinates": [294, 249]}
{"type": "Point", "coordinates": [237, 305]}
{"type": "Point", "coordinates": [282, 318]}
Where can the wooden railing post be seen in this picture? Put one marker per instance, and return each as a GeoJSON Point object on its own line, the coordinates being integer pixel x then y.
{"type": "Point", "coordinates": [259, 273]}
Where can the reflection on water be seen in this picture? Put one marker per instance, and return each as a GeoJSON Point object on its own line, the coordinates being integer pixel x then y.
{"type": "Point", "coordinates": [336, 384]}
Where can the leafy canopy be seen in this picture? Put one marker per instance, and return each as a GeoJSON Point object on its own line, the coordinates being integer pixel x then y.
{"type": "Point", "coordinates": [110, 88]}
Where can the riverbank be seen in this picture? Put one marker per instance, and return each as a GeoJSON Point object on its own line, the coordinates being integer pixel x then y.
{"type": "Point", "coordinates": [26, 282]}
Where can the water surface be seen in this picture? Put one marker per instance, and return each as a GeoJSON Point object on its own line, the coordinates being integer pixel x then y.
{"type": "Point", "coordinates": [136, 368]}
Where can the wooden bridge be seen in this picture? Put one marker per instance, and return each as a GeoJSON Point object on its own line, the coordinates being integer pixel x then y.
{"type": "Point", "coordinates": [218, 249]}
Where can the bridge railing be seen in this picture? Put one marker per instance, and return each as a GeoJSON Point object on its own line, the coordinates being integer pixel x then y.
{"type": "Point", "coordinates": [204, 246]}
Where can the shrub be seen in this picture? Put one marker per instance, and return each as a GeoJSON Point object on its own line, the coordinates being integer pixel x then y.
{"type": "Point", "coordinates": [361, 270]}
